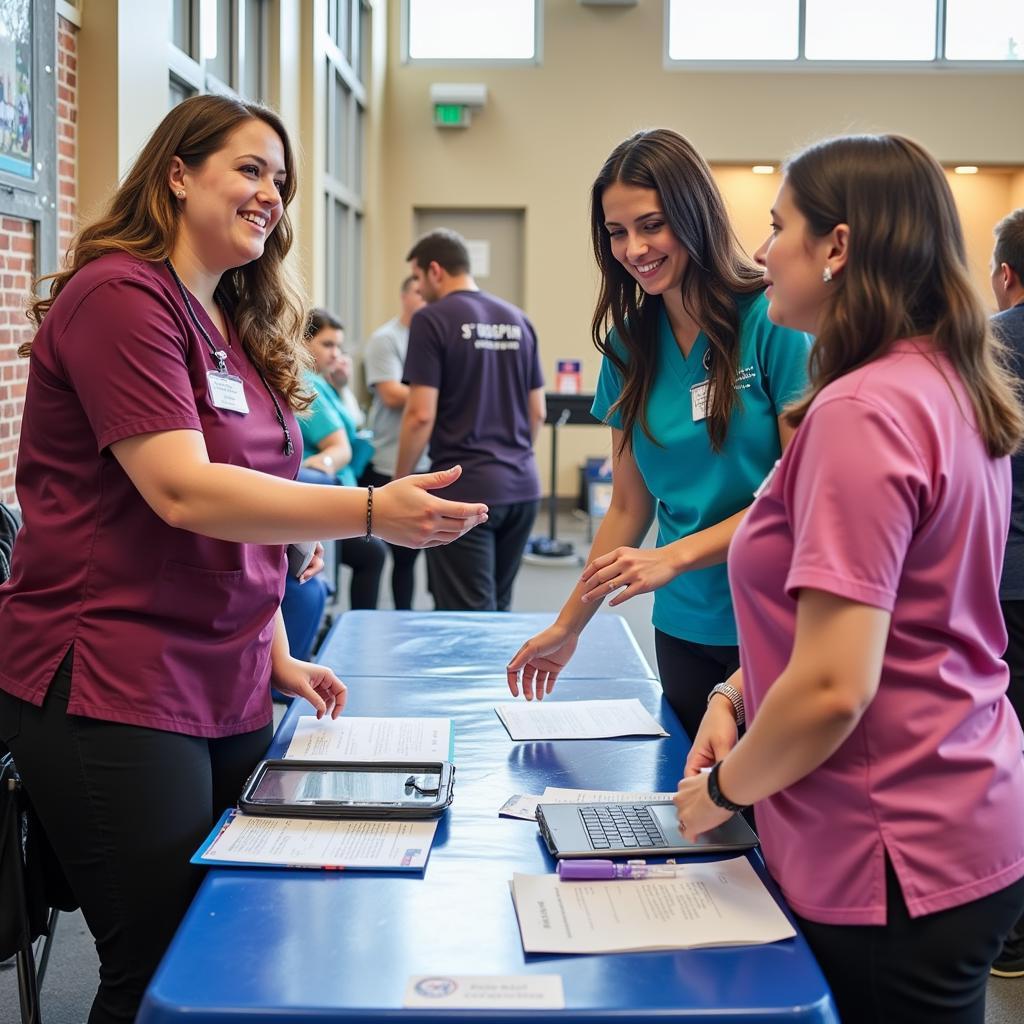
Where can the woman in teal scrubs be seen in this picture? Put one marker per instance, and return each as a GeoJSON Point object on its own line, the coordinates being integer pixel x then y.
{"type": "Point", "coordinates": [693, 384]}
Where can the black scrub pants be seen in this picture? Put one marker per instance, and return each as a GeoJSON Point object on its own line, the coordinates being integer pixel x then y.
{"type": "Point", "coordinates": [689, 671]}
{"type": "Point", "coordinates": [922, 970]}
{"type": "Point", "coordinates": [124, 808]}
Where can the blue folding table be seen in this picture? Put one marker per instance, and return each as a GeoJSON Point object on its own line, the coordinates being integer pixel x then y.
{"type": "Point", "coordinates": [295, 946]}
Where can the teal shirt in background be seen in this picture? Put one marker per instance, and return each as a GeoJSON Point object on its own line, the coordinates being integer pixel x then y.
{"type": "Point", "coordinates": [324, 417]}
{"type": "Point", "coordinates": [694, 486]}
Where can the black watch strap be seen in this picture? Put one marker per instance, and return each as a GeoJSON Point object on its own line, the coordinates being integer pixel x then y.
{"type": "Point", "coordinates": [718, 798]}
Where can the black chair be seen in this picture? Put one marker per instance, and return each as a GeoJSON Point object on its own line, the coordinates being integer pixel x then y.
{"type": "Point", "coordinates": [32, 884]}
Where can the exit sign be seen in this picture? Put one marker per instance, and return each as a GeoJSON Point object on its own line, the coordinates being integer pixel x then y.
{"type": "Point", "coordinates": [451, 115]}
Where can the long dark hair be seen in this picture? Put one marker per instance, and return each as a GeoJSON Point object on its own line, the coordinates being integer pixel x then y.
{"type": "Point", "coordinates": [142, 219]}
{"type": "Point", "coordinates": [717, 270]}
{"type": "Point", "coordinates": [906, 272]}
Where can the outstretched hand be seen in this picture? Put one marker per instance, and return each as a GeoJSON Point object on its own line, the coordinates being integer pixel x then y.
{"type": "Point", "coordinates": [540, 660]}
{"type": "Point", "coordinates": [314, 683]}
{"type": "Point", "coordinates": [407, 514]}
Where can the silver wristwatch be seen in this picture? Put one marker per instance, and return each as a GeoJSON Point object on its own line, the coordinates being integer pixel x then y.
{"type": "Point", "coordinates": [735, 699]}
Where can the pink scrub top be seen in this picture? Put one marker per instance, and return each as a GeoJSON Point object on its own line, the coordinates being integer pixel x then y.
{"type": "Point", "coordinates": [887, 497]}
{"type": "Point", "coordinates": [171, 630]}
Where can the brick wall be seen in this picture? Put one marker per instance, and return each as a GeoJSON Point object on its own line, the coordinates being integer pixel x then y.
{"type": "Point", "coordinates": [17, 260]}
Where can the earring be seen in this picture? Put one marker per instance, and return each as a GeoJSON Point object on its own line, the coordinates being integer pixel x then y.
{"type": "Point", "coordinates": [180, 194]}
{"type": "Point", "coordinates": [826, 274]}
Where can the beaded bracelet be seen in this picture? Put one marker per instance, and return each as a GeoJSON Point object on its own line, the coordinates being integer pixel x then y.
{"type": "Point", "coordinates": [369, 513]}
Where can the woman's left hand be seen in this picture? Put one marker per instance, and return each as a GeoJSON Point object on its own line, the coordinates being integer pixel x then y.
{"type": "Point", "coordinates": [631, 570]}
{"type": "Point", "coordinates": [315, 683]}
{"type": "Point", "coordinates": [316, 564]}
{"type": "Point", "coordinates": [694, 809]}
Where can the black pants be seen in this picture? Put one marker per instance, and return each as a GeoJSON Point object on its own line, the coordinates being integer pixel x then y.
{"type": "Point", "coordinates": [402, 559]}
{"type": "Point", "coordinates": [924, 970]}
{"type": "Point", "coordinates": [1013, 614]}
{"type": "Point", "coordinates": [476, 572]}
{"type": "Point", "coordinates": [366, 560]}
{"type": "Point", "coordinates": [124, 808]}
{"type": "Point", "coordinates": [688, 673]}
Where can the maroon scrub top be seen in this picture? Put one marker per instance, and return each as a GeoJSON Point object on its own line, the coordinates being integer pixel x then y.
{"type": "Point", "coordinates": [171, 630]}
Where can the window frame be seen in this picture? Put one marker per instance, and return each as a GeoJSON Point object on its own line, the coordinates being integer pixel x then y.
{"type": "Point", "coordinates": [515, 62]}
{"type": "Point", "coordinates": [803, 65]}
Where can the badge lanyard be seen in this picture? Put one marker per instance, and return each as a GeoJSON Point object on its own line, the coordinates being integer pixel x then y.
{"type": "Point", "coordinates": [220, 356]}
{"type": "Point", "coordinates": [702, 393]}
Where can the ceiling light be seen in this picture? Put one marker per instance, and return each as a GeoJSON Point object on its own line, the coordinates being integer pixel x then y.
{"type": "Point", "coordinates": [966, 169]}
{"type": "Point", "coordinates": [763, 168]}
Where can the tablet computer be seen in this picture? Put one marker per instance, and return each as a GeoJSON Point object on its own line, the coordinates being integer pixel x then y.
{"type": "Point", "coordinates": [349, 789]}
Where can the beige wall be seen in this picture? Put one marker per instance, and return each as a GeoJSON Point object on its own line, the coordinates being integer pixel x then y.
{"type": "Point", "coordinates": [545, 131]}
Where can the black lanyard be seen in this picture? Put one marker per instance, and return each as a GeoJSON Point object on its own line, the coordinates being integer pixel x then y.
{"type": "Point", "coordinates": [221, 357]}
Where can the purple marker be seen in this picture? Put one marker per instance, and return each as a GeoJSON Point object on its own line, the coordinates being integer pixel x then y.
{"type": "Point", "coordinates": [608, 870]}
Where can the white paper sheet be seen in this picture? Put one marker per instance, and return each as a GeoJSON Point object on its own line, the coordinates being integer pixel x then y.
{"type": "Point", "coordinates": [577, 719]}
{"type": "Point", "coordinates": [720, 903]}
{"type": "Point", "coordinates": [319, 843]}
{"type": "Point", "coordinates": [371, 739]}
{"type": "Point", "coordinates": [522, 805]}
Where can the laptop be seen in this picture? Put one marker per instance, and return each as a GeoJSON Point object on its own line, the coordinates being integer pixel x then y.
{"type": "Point", "coordinates": [636, 829]}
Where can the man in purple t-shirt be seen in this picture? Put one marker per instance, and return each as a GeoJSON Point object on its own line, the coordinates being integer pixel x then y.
{"type": "Point", "coordinates": [476, 394]}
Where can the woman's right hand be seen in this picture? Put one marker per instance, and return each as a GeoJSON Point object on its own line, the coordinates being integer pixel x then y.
{"type": "Point", "coordinates": [407, 514]}
{"type": "Point", "coordinates": [716, 736]}
{"type": "Point", "coordinates": [540, 659]}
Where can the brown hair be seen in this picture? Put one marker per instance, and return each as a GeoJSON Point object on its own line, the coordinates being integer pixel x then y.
{"type": "Point", "coordinates": [717, 270]}
{"type": "Point", "coordinates": [142, 219]}
{"type": "Point", "coordinates": [1009, 248]}
{"type": "Point", "coordinates": [906, 272]}
{"type": "Point", "coordinates": [445, 247]}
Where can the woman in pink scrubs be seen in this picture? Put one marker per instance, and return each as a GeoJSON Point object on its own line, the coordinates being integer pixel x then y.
{"type": "Point", "coordinates": [141, 628]}
{"type": "Point", "coordinates": [881, 752]}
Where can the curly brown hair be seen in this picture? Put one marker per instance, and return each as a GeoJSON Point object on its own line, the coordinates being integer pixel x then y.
{"type": "Point", "coordinates": [142, 219]}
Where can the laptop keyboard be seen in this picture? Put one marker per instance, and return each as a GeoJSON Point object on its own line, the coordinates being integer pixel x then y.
{"type": "Point", "coordinates": [621, 827]}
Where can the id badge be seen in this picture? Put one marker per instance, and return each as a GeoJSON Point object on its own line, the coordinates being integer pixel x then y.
{"type": "Point", "coordinates": [700, 396]}
{"type": "Point", "coordinates": [227, 391]}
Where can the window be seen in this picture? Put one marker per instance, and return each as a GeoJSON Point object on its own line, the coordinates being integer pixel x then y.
{"type": "Point", "coordinates": [984, 30]}
{"type": "Point", "coordinates": [345, 49]}
{"type": "Point", "coordinates": [217, 46]}
{"type": "Point", "coordinates": [452, 30]}
{"type": "Point", "coordinates": [802, 33]}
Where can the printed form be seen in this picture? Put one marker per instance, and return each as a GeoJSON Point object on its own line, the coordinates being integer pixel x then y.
{"type": "Point", "coordinates": [320, 843]}
{"type": "Point", "coordinates": [720, 903]}
{"type": "Point", "coordinates": [371, 739]}
{"type": "Point", "coordinates": [524, 805]}
{"type": "Point", "coordinates": [577, 719]}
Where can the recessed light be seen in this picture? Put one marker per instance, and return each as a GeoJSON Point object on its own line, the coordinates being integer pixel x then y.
{"type": "Point", "coordinates": [763, 168]}
{"type": "Point", "coordinates": [966, 169]}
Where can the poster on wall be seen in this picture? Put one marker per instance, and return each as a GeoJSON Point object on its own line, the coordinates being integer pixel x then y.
{"type": "Point", "coordinates": [16, 87]}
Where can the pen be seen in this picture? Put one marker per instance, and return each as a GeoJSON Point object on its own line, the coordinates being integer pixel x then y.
{"type": "Point", "coordinates": [605, 870]}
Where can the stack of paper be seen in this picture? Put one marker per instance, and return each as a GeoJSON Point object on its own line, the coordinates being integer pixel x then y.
{"type": "Point", "coordinates": [720, 903]}
{"type": "Point", "coordinates": [371, 739]}
{"type": "Point", "coordinates": [251, 840]}
{"type": "Point", "coordinates": [524, 805]}
{"type": "Point", "coordinates": [577, 719]}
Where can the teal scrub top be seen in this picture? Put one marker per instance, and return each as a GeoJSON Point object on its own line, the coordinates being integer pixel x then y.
{"type": "Point", "coordinates": [694, 486]}
{"type": "Point", "coordinates": [324, 417]}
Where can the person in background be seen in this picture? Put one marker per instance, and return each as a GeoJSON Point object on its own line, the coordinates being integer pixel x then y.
{"type": "Point", "coordinates": [693, 383]}
{"type": "Point", "coordinates": [880, 749]}
{"type": "Point", "coordinates": [339, 376]}
{"type": "Point", "coordinates": [334, 453]}
{"type": "Point", "coordinates": [383, 360]}
{"type": "Point", "coordinates": [476, 394]}
{"type": "Point", "coordinates": [1008, 324]}
{"type": "Point", "coordinates": [140, 628]}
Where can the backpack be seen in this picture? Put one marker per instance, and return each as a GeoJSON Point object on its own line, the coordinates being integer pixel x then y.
{"type": "Point", "coordinates": [8, 531]}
